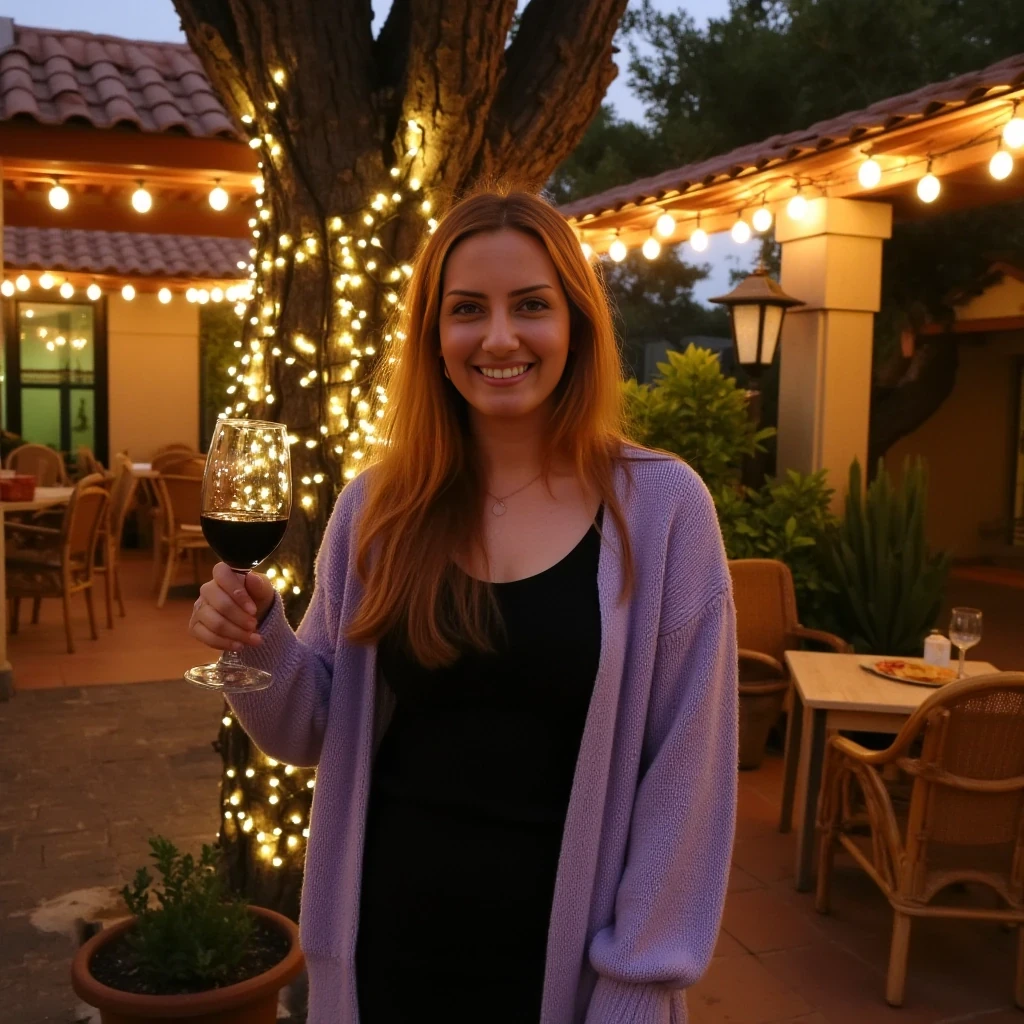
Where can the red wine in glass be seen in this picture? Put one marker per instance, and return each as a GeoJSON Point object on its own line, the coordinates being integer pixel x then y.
{"type": "Point", "coordinates": [245, 505]}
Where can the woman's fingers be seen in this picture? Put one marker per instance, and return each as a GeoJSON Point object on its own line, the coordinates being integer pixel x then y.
{"type": "Point", "coordinates": [216, 624]}
{"type": "Point", "coordinates": [214, 596]}
{"type": "Point", "coordinates": [234, 584]}
{"type": "Point", "coordinates": [211, 639]}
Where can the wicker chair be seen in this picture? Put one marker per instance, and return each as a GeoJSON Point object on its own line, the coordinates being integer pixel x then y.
{"type": "Point", "coordinates": [66, 563]}
{"type": "Point", "coordinates": [122, 492]}
{"type": "Point", "coordinates": [87, 464]}
{"type": "Point", "coordinates": [767, 626]}
{"type": "Point", "coordinates": [965, 821]}
{"type": "Point", "coordinates": [46, 465]}
{"type": "Point", "coordinates": [180, 529]}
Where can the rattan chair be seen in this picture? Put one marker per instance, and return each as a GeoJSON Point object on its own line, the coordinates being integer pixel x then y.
{"type": "Point", "coordinates": [180, 529]}
{"type": "Point", "coordinates": [87, 464]}
{"type": "Point", "coordinates": [122, 492]}
{"type": "Point", "coordinates": [965, 821]}
{"type": "Point", "coordinates": [63, 562]}
{"type": "Point", "coordinates": [46, 465]}
{"type": "Point", "coordinates": [767, 625]}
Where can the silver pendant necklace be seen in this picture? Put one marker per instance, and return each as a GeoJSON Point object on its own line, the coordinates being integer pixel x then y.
{"type": "Point", "coordinates": [499, 508]}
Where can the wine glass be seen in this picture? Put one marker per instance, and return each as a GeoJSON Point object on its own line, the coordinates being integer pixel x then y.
{"type": "Point", "coordinates": [245, 504]}
{"type": "Point", "coordinates": [965, 632]}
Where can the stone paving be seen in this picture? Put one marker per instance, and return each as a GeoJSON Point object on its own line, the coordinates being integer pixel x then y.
{"type": "Point", "coordinates": [87, 774]}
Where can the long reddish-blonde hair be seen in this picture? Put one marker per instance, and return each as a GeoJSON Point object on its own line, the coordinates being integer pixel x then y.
{"type": "Point", "coordinates": [425, 491]}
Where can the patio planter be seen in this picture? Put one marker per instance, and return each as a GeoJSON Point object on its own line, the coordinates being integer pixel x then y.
{"type": "Point", "coordinates": [253, 1001]}
{"type": "Point", "coordinates": [760, 707]}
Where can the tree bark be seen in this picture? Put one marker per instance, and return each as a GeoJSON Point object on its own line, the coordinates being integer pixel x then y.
{"type": "Point", "coordinates": [332, 107]}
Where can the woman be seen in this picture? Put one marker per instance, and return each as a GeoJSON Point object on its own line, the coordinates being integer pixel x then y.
{"type": "Point", "coordinates": [517, 674]}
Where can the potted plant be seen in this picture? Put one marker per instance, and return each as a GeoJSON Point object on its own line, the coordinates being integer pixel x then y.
{"type": "Point", "coordinates": [190, 952]}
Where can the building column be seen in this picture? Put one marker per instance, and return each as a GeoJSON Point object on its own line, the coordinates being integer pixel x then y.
{"type": "Point", "coordinates": [832, 261]}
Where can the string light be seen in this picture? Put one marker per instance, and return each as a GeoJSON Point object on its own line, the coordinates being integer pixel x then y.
{"type": "Point", "coordinates": [128, 293]}
{"type": "Point", "coordinates": [796, 208]}
{"type": "Point", "coordinates": [164, 295]}
{"type": "Point", "coordinates": [928, 187]}
{"type": "Point", "coordinates": [651, 248]}
{"type": "Point", "coordinates": [617, 250]}
{"type": "Point", "coordinates": [6, 289]}
{"type": "Point", "coordinates": [1001, 164]}
{"type": "Point", "coordinates": [740, 232]}
{"type": "Point", "coordinates": [93, 291]}
{"type": "Point", "coordinates": [67, 289]}
{"type": "Point", "coordinates": [588, 250]}
{"type": "Point", "coordinates": [218, 197]}
{"type": "Point", "coordinates": [699, 239]}
{"type": "Point", "coordinates": [142, 201]}
{"type": "Point", "coordinates": [58, 196]}
{"type": "Point", "coordinates": [665, 225]}
{"type": "Point", "coordinates": [1013, 130]}
{"type": "Point", "coordinates": [762, 219]}
{"type": "Point", "coordinates": [869, 174]}
{"type": "Point", "coordinates": [22, 283]}
{"type": "Point", "coordinates": [47, 281]}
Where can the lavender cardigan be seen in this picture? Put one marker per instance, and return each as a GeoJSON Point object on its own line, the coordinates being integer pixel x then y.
{"type": "Point", "coordinates": [645, 855]}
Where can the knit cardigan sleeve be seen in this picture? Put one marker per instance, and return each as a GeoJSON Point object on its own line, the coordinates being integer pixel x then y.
{"type": "Point", "coordinates": [287, 720]}
{"type": "Point", "coordinates": [669, 902]}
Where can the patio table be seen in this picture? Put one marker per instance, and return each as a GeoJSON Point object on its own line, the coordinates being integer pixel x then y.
{"type": "Point", "coordinates": [44, 497]}
{"type": "Point", "coordinates": [833, 692]}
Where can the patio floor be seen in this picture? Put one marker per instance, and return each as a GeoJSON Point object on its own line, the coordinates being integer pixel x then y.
{"type": "Point", "coordinates": [89, 772]}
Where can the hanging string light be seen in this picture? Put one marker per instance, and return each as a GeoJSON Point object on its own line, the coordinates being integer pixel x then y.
{"type": "Point", "coordinates": [651, 248]}
{"type": "Point", "coordinates": [218, 197]}
{"type": "Point", "coordinates": [796, 208]}
{"type": "Point", "coordinates": [869, 174]}
{"type": "Point", "coordinates": [740, 231]}
{"type": "Point", "coordinates": [665, 225]}
{"type": "Point", "coordinates": [1013, 130]}
{"type": "Point", "coordinates": [762, 219]}
{"type": "Point", "coordinates": [928, 187]}
{"type": "Point", "coordinates": [617, 250]}
{"type": "Point", "coordinates": [142, 201]}
{"type": "Point", "coordinates": [93, 291]}
{"type": "Point", "coordinates": [47, 281]}
{"type": "Point", "coordinates": [699, 239]}
{"type": "Point", "coordinates": [58, 196]}
{"type": "Point", "coordinates": [1001, 164]}
{"type": "Point", "coordinates": [164, 295]}
{"type": "Point", "coordinates": [128, 293]}
{"type": "Point", "coordinates": [67, 289]}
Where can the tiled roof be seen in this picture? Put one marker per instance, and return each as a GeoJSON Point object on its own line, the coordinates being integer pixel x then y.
{"type": "Point", "coordinates": [121, 252]}
{"type": "Point", "coordinates": [886, 115]}
{"type": "Point", "coordinates": [57, 77]}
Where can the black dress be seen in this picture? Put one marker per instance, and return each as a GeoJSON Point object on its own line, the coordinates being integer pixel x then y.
{"type": "Point", "coordinates": [467, 805]}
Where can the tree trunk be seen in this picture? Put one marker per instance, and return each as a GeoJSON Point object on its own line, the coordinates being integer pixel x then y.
{"type": "Point", "coordinates": [362, 141]}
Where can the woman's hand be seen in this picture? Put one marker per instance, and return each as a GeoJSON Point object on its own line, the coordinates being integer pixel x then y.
{"type": "Point", "coordinates": [230, 608]}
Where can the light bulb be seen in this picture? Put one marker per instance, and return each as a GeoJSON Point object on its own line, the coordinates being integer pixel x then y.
{"type": "Point", "coordinates": [128, 293]}
{"type": "Point", "coordinates": [93, 291]}
{"type": "Point", "coordinates": [1013, 132]}
{"type": "Point", "coordinates": [67, 289]}
{"type": "Point", "coordinates": [217, 294]}
{"type": "Point", "coordinates": [7, 289]}
{"type": "Point", "coordinates": [59, 197]}
{"type": "Point", "coordinates": [141, 199]}
{"type": "Point", "coordinates": [699, 240]}
{"type": "Point", "coordinates": [651, 248]}
{"type": "Point", "coordinates": [588, 250]}
{"type": "Point", "coordinates": [190, 295]}
{"type": "Point", "coordinates": [202, 296]}
{"type": "Point", "coordinates": [797, 207]}
{"type": "Point", "coordinates": [928, 188]}
{"type": "Point", "coordinates": [1001, 165]}
{"type": "Point", "coordinates": [617, 250]}
{"type": "Point", "coordinates": [22, 283]}
{"type": "Point", "coordinates": [869, 174]}
{"type": "Point", "coordinates": [665, 225]}
{"type": "Point", "coordinates": [164, 295]}
{"type": "Point", "coordinates": [218, 198]}
{"type": "Point", "coordinates": [741, 232]}
{"type": "Point", "coordinates": [762, 219]}
{"type": "Point", "coordinates": [46, 280]}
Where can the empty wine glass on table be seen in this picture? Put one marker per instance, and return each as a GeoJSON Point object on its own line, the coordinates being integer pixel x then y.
{"type": "Point", "coordinates": [964, 632]}
{"type": "Point", "coordinates": [246, 501]}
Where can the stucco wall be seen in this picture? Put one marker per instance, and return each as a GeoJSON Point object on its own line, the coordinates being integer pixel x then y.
{"type": "Point", "coordinates": [153, 373]}
{"type": "Point", "coordinates": [969, 445]}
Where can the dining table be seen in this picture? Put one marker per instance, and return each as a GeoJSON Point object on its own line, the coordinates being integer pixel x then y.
{"type": "Point", "coordinates": [43, 497]}
{"type": "Point", "coordinates": [833, 692]}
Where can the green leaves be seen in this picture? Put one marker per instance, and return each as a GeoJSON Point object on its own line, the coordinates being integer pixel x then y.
{"type": "Point", "coordinates": [195, 936]}
{"type": "Point", "coordinates": [888, 584]}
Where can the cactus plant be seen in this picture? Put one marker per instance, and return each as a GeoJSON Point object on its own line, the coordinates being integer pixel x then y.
{"type": "Point", "coordinates": [889, 585]}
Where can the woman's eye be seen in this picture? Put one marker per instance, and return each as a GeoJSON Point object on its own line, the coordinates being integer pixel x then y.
{"type": "Point", "coordinates": [534, 305]}
{"type": "Point", "coordinates": [465, 309]}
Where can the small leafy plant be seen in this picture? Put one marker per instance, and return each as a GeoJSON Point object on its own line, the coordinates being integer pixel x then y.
{"type": "Point", "coordinates": [190, 934]}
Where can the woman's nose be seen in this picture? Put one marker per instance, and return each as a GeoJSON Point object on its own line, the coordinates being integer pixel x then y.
{"type": "Point", "coordinates": [500, 338]}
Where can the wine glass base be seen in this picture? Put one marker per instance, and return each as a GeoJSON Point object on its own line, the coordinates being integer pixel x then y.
{"type": "Point", "coordinates": [229, 678]}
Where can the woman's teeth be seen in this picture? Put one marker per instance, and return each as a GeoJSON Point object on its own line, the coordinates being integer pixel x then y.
{"type": "Point", "coordinates": [507, 371]}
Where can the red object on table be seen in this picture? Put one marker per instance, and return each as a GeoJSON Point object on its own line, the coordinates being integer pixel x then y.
{"type": "Point", "coordinates": [20, 487]}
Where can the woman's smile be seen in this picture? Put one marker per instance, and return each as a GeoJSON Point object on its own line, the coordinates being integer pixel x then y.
{"type": "Point", "coordinates": [504, 376]}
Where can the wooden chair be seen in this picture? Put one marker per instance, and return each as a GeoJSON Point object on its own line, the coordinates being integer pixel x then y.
{"type": "Point", "coordinates": [180, 530]}
{"type": "Point", "coordinates": [63, 566]}
{"type": "Point", "coordinates": [965, 821]}
{"type": "Point", "coordinates": [122, 492]}
{"type": "Point", "coordinates": [165, 462]}
{"type": "Point", "coordinates": [87, 464]}
{"type": "Point", "coordinates": [177, 462]}
{"type": "Point", "coordinates": [767, 625]}
{"type": "Point", "coordinates": [46, 465]}
{"type": "Point", "coordinates": [172, 447]}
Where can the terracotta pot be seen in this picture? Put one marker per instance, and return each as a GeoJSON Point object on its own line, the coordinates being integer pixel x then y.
{"type": "Point", "coordinates": [253, 1001]}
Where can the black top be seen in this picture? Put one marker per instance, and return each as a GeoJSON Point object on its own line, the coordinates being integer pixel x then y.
{"type": "Point", "coordinates": [467, 805]}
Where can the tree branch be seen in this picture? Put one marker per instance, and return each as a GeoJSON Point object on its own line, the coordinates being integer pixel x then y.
{"type": "Point", "coordinates": [455, 62]}
{"type": "Point", "coordinates": [557, 71]}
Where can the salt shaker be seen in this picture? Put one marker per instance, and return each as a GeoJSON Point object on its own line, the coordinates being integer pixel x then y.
{"type": "Point", "coordinates": [936, 649]}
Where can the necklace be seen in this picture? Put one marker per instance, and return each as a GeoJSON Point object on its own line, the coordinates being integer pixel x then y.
{"type": "Point", "coordinates": [499, 507]}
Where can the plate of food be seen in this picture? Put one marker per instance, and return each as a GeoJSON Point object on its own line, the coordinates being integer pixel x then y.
{"type": "Point", "coordinates": [906, 670]}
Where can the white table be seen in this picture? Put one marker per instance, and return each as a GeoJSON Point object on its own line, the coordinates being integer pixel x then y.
{"type": "Point", "coordinates": [45, 497]}
{"type": "Point", "coordinates": [833, 692]}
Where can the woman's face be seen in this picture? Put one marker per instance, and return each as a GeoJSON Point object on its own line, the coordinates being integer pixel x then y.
{"type": "Point", "coordinates": [504, 323]}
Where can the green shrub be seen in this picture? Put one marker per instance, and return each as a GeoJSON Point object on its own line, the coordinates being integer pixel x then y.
{"type": "Point", "coordinates": [888, 584]}
{"type": "Point", "coordinates": [696, 412]}
{"type": "Point", "coordinates": [194, 935]}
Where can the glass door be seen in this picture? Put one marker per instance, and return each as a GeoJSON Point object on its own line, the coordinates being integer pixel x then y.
{"type": "Point", "coordinates": [55, 376]}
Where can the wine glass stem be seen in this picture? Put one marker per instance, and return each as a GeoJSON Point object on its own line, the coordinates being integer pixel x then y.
{"type": "Point", "coordinates": [231, 659]}
{"type": "Point", "coordinates": [963, 656]}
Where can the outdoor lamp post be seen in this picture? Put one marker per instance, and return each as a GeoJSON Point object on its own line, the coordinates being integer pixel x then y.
{"type": "Point", "coordinates": [756, 307]}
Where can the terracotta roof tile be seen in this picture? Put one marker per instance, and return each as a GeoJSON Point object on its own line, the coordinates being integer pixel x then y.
{"type": "Point", "coordinates": [53, 77]}
{"type": "Point", "coordinates": [896, 111]}
{"type": "Point", "coordinates": [121, 252]}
